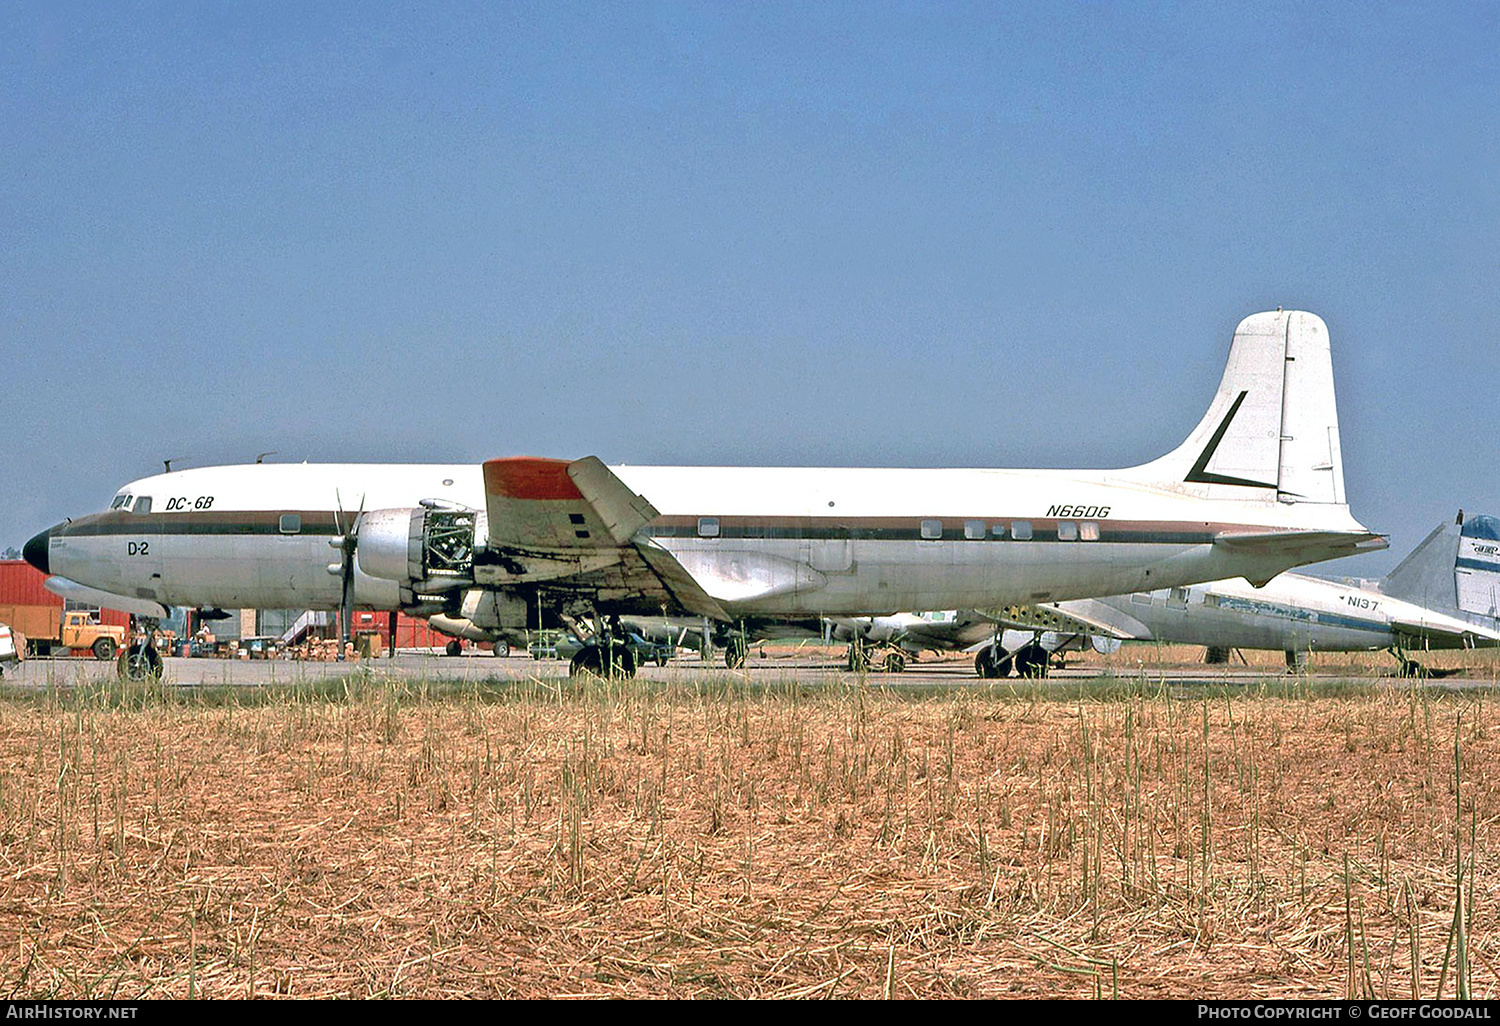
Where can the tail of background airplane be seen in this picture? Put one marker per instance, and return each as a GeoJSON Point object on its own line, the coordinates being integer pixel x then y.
{"type": "Point", "coordinates": [1455, 569]}
{"type": "Point", "coordinates": [1272, 431]}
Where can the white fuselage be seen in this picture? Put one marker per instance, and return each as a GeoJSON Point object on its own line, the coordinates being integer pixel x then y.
{"type": "Point", "coordinates": [1292, 613]}
{"type": "Point", "coordinates": [761, 540]}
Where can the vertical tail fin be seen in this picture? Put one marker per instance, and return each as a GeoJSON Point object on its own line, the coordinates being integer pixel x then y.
{"type": "Point", "coordinates": [1455, 569]}
{"type": "Point", "coordinates": [1477, 571]}
{"type": "Point", "coordinates": [1272, 431]}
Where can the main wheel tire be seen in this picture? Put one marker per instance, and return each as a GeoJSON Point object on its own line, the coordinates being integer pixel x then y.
{"type": "Point", "coordinates": [502, 649]}
{"type": "Point", "coordinates": [1031, 661]}
{"type": "Point", "coordinates": [856, 660]}
{"type": "Point", "coordinates": [993, 662]}
{"type": "Point", "coordinates": [104, 649]}
{"type": "Point", "coordinates": [591, 659]}
{"type": "Point", "coordinates": [139, 663]}
{"type": "Point", "coordinates": [454, 647]}
{"type": "Point", "coordinates": [895, 662]}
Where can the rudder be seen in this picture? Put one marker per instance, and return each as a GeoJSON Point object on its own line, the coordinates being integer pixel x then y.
{"type": "Point", "coordinates": [1271, 432]}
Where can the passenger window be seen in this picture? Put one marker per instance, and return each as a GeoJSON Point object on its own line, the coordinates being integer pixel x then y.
{"type": "Point", "coordinates": [708, 527]}
{"type": "Point", "coordinates": [1141, 598]}
{"type": "Point", "coordinates": [1211, 601]}
{"type": "Point", "coordinates": [291, 523]}
{"type": "Point", "coordinates": [1020, 530]}
{"type": "Point", "coordinates": [1067, 530]}
{"type": "Point", "coordinates": [1089, 530]}
{"type": "Point", "coordinates": [932, 529]}
{"type": "Point", "coordinates": [1177, 597]}
{"type": "Point", "coordinates": [974, 530]}
{"type": "Point", "coordinates": [142, 505]}
{"type": "Point", "coordinates": [997, 530]}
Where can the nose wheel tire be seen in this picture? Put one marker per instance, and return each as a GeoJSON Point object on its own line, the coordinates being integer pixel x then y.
{"type": "Point", "coordinates": [140, 663]}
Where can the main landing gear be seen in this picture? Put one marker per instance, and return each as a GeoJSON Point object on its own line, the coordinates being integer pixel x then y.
{"type": "Point", "coordinates": [1030, 660]}
{"type": "Point", "coordinates": [607, 653]}
{"type": "Point", "coordinates": [886, 658]}
{"type": "Point", "coordinates": [1408, 667]}
{"type": "Point", "coordinates": [139, 660]}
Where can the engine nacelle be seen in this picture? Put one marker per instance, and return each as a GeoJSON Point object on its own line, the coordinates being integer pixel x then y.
{"type": "Point", "coordinates": [427, 550]}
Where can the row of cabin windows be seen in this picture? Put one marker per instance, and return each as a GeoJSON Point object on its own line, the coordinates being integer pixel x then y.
{"type": "Point", "coordinates": [974, 530]}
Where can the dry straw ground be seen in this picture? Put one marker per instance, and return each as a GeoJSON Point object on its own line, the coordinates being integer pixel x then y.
{"type": "Point", "coordinates": [1279, 839]}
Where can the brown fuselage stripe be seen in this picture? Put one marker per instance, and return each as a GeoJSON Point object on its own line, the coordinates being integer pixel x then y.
{"type": "Point", "coordinates": [324, 523]}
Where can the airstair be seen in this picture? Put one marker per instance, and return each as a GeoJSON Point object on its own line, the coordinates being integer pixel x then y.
{"type": "Point", "coordinates": [311, 620]}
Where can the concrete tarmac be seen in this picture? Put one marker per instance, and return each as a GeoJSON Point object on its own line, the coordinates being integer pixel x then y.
{"type": "Point", "coordinates": [812, 670]}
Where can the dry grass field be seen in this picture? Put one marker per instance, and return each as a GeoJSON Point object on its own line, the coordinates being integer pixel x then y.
{"type": "Point", "coordinates": [378, 838]}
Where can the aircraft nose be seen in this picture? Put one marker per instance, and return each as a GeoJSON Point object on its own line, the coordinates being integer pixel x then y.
{"type": "Point", "coordinates": [35, 551]}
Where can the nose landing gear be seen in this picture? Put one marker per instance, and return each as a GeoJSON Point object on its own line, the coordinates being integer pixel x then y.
{"type": "Point", "coordinates": [139, 660]}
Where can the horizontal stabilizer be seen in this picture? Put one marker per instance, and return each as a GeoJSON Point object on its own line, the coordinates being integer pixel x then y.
{"type": "Point", "coordinates": [1283, 549]}
{"type": "Point", "coordinates": [1446, 630]}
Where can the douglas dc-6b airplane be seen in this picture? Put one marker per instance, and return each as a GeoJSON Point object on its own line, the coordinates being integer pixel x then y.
{"type": "Point", "coordinates": [1255, 489]}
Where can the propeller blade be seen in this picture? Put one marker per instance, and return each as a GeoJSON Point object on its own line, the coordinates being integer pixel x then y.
{"type": "Point", "coordinates": [349, 546]}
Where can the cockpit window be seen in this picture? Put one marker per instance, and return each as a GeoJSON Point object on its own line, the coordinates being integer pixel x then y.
{"type": "Point", "coordinates": [142, 505]}
{"type": "Point", "coordinates": [121, 500]}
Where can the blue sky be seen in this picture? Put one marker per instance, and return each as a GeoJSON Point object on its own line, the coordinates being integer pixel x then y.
{"type": "Point", "coordinates": [859, 235]}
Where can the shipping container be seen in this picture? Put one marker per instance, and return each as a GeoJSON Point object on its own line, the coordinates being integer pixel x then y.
{"type": "Point", "coordinates": [22, 584]}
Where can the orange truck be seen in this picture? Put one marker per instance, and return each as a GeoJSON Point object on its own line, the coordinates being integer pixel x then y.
{"type": "Point", "coordinates": [52, 631]}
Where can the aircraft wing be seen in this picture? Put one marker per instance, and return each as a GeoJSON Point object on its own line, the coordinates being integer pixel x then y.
{"type": "Point", "coordinates": [552, 520]}
{"type": "Point", "coordinates": [1048, 617]}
